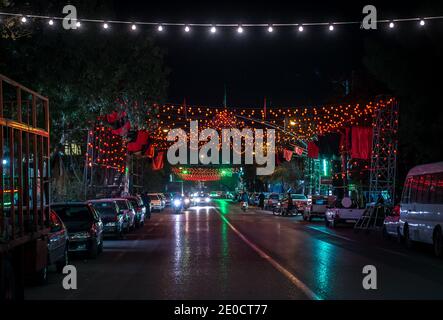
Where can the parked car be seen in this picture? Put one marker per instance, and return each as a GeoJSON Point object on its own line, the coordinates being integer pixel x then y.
{"type": "Point", "coordinates": [391, 224]}
{"type": "Point", "coordinates": [113, 220]}
{"type": "Point", "coordinates": [300, 201]}
{"type": "Point", "coordinates": [128, 212]}
{"type": "Point", "coordinates": [58, 242]}
{"type": "Point", "coordinates": [164, 200]}
{"type": "Point", "coordinates": [421, 207]}
{"type": "Point", "coordinates": [156, 201]}
{"type": "Point", "coordinates": [343, 215]}
{"type": "Point", "coordinates": [317, 206]}
{"type": "Point", "coordinates": [140, 210]}
{"type": "Point", "coordinates": [84, 225]}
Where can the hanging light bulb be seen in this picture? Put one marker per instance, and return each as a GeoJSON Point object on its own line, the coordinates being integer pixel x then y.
{"type": "Point", "coordinates": [187, 29]}
{"type": "Point", "coordinates": [24, 20]}
{"type": "Point", "coordinates": [331, 27]}
{"type": "Point", "coordinates": [300, 29]}
{"type": "Point", "coordinates": [78, 24]}
{"type": "Point", "coordinates": [391, 25]}
{"type": "Point", "coordinates": [160, 28]}
{"type": "Point", "coordinates": [105, 26]}
{"type": "Point", "coordinates": [213, 29]}
{"type": "Point", "coordinates": [240, 29]}
{"type": "Point", "coordinates": [133, 27]}
{"type": "Point", "coordinates": [51, 22]}
{"type": "Point", "coordinates": [422, 22]}
{"type": "Point", "coordinates": [270, 29]}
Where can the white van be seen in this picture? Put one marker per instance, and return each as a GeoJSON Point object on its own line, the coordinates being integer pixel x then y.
{"type": "Point", "coordinates": [421, 206]}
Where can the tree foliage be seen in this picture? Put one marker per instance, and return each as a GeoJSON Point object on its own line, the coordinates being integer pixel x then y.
{"type": "Point", "coordinates": [83, 72]}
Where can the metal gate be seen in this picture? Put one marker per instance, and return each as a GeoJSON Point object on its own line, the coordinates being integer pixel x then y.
{"type": "Point", "coordinates": [24, 164]}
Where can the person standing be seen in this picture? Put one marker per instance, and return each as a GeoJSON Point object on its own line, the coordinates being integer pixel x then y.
{"type": "Point", "coordinates": [261, 200]}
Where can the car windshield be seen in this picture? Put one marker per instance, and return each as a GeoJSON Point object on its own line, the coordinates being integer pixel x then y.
{"type": "Point", "coordinates": [103, 205]}
{"type": "Point", "coordinates": [76, 213]}
{"type": "Point", "coordinates": [274, 196]}
{"type": "Point", "coordinates": [123, 205]}
{"type": "Point", "coordinates": [134, 202]}
{"type": "Point", "coordinates": [298, 197]}
{"type": "Point", "coordinates": [106, 212]}
{"type": "Point", "coordinates": [153, 197]}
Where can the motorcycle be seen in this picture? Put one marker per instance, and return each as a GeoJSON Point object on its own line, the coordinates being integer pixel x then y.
{"type": "Point", "coordinates": [177, 206]}
{"type": "Point", "coordinates": [281, 209]}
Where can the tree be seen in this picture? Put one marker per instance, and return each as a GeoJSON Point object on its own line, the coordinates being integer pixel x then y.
{"type": "Point", "coordinates": [84, 72]}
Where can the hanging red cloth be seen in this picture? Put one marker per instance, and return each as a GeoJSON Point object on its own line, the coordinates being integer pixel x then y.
{"type": "Point", "coordinates": [277, 158]}
{"type": "Point", "coordinates": [158, 161]}
{"type": "Point", "coordinates": [361, 143]}
{"type": "Point", "coordinates": [313, 150]}
{"type": "Point", "coordinates": [142, 140]}
{"type": "Point", "coordinates": [115, 116]}
{"type": "Point", "coordinates": [298, 151]}
{"type": "Point", "coordinates": [287, 154]}
{"type": "Point", "coordinates": [345, 142]}
{"type": "Point", "coordinates": [150, 152]}
{"type": "Point", "coordinates": [112, 117]}
{"type": "Point", "coordinates": [123, 131]}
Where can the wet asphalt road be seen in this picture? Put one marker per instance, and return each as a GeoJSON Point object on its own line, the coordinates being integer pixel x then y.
{"type": "Point", "coordinates": [222, 253]}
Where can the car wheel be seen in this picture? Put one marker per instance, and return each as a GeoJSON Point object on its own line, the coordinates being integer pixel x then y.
{"type": "Point", "coordinates": [7, 281]}
{"type": "Point", "coordinates": [93, 251]}
{"type": "Point", "coordinates": [41, 277]}
{"type": "Point", "coordinates": [327, 222]}
{"type": "Point", "coordinates": [438, 242]}
{"type": "Point", "coordinates": [63, 262]}
{"type": "Point", "coordinates": [407, 237]}
{"type": "Point", "coordinates": [100, 246]}
{"type": "Point", "coordinates": [385, 233]}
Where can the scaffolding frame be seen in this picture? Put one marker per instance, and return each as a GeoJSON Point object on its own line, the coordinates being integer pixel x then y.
{"type": "Point", "coordinates": [384, 150]}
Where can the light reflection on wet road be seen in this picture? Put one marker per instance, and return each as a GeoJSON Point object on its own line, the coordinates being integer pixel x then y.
{"type": "Point", "coordinates": [197, 255]}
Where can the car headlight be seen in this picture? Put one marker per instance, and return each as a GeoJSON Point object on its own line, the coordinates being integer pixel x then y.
{"type": "Point", "coordinates": [80, 235]}
{"type": "Point", "coordinates": [177, 202]}
{"type": "Point", "coordinates": [207, 199]}
{"type": "Point", "coordinates": [279, 204]}
{"type": "Point", "coordinates": [197, 199]}
{"type": "Point", "coordinates": [187, 201]}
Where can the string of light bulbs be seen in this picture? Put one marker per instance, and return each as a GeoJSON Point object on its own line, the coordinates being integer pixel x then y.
{"type": "Point", "coordinates": [213, 28]}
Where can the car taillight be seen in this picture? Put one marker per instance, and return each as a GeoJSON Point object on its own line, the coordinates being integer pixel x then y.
{"type": "Point", "coordinates": [93, 230]}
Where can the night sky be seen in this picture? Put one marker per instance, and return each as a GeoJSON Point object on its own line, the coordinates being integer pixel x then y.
{"type": "Point", "coordinates": [287, 67]}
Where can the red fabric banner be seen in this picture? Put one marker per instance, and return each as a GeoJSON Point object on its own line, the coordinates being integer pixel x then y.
{"type": "Point", "coordinates": [361, 143]}
{"type": "Point", "coordinates": [158, 161]}
{"type": "Point", "coordinates": [142, 140]}
{"type": "Point", "coordinates": [287, 154]}
{"type": "Point", "coordinates": [150, 152]}
{"type": "Point", "coordinates": [345, 143]}
{"type": "Point", "coordinates": [298, 151]}
{"type": "Point", "coordinates": [115, 116]}
{"type": "Point", "coordinates": [313, 150]}
{"type": "Point", "coordinates": [123, 130]}
{"type": "Point", "coordinates": [112, 117]}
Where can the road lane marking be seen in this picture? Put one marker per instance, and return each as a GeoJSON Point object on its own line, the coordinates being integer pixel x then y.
{"type": "Point", "coordinates": [352, 240]}
{"type": "Point", "coordinates": [296, 281]}
{"type": "Point", "coordinates": [330, 233]}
